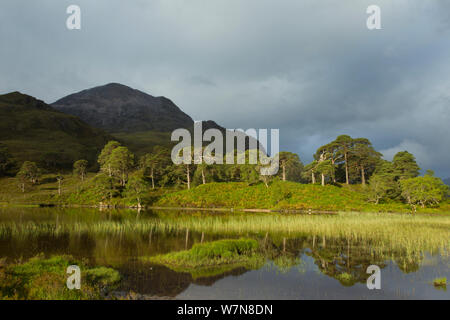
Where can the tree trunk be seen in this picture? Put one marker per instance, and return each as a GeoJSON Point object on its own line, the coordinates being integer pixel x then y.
{"type": "Point", "coordinates": [153, 179]}
{"type": "Point", "coordinates": [334, 172]}
{"type": "Point", "coordinates": [22, 185]}
{"type": "Point", "coordinates": [363, 176]}
{"type": "Point", "coordinates": [187, 239]}
{"type": "Point", "coordinates": [59, 186]}
{"type": "Point", "coordinates": [346, 168]}
{"type": "Point", "coordinates": [188, 176]}
{"type": "Point", "coordinates": [139, 202]}
{"type": "Point", "coordinates": [313, 177]}
{"type": "Point", "coordinates": [203, 176]}
{"type": "Point", "coordinates": [323, 179]}
{"type": "Point", "coordinates": [284, 170]}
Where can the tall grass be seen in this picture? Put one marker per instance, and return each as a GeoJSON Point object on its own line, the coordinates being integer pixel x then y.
{"type": "Point", "coordinates": [406, 232]}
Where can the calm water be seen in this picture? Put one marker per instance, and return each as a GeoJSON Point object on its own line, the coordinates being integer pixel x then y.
{"type": "Point", "coordinates": [305, 267]}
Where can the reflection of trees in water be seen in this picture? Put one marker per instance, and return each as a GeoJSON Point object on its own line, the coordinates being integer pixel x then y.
{"type": "Point", "coordinates": [284, 253]}
{"type": "Point", "coordinates": [347, 260]}
{"type": "Point", "coordinates": [343, 259]}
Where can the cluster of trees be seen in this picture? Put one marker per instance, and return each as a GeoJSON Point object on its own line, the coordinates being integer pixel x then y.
{"type": "Point", "coordinates": [400, 180]}
{"type": "Point", "coordinates": [343, 161]}
{"type": "Point", "coordinates": [119, 166]}
{"type": "Point", "coordinates": [355, 161]}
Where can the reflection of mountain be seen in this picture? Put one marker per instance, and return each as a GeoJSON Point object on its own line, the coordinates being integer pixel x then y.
{"type": "Point", "coordinates": [210, 280]}
{"type": "Point", "coordinates": [155, 280]}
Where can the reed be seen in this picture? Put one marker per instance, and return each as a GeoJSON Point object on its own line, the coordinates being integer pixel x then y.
{"type": "Point", "coordinates": [407, 232]}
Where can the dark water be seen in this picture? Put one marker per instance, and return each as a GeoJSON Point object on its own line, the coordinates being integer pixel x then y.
{"type": "Point", "coordinates": [299, 267]}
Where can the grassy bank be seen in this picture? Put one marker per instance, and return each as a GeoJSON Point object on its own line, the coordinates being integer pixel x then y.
{"type": "Point", "coordinates": [212, 258]}
{"type": "Point", "coordinates": [45, 279]}
{"type": "Point", "coordinates": [74, 192]}
{"type": "Point", "coordinates": [283, 195]}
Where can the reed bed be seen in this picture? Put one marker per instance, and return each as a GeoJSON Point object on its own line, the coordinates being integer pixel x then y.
{"type": "Point", "coordinates": [406, 232]}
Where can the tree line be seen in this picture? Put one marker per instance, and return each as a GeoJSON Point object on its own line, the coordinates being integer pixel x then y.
{"type": "Point", "coordinates": [344, 161]}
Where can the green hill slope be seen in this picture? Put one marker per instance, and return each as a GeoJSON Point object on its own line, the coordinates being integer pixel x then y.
{"type": "Point", "coordinates": [283, 195]}
{"type": "Point", "coordinates": [32, 130]}
{"type": "Point", "coordinates": [280, 195]}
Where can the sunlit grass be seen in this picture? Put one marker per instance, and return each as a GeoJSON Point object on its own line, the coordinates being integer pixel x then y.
{"type": "Point", "coordinates": [440, 282]}
{"type": "Point", "coordinates": [411, 233]}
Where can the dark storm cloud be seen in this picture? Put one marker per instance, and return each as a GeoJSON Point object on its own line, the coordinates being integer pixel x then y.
{"type": "Point", "coordinates": [310, 68]}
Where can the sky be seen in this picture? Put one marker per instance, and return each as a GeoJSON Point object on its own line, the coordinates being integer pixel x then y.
{"type": "Point", "coordinates": [310, 68]}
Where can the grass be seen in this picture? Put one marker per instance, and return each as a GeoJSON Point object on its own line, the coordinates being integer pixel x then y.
{"type": "Point", "coordinates": [281, 195]}
{"type": "Point", "coordinates": [46, 192]}
{"type": "Point", "coordinates": [73, 192]}
{"type": "Point", "coordinates": [284, 195]}
{"type": "Point", "coordinates": [209, 254]}
{"type": "Point", "coordinates": [413, 233]}
{"type": "Point", "coordinates": [43, 278]}
{"type": "Point", "coordinates": [440, 283]}
{"type": "Point", "coordinates": [345, 279]}
{"type": "Point", "coordinates": [212, 258]}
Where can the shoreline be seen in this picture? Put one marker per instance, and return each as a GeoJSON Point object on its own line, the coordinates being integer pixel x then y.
{"type": "Point", "coordinates": [229, 210]}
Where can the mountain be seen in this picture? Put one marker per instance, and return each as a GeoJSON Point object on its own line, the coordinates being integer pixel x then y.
{"type": "Point", "coordinates": [138, 120]}
{"type": "Point", "coordinates": [33, 130]}
{"type": "Point", "coordinates": [117, 108]}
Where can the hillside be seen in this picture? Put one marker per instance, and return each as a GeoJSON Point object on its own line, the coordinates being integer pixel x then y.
{"type": "Point", "coordinates": [33, 130]}
{"type": "Point", "coordinates": [117, 108]}
{"type": "Point", "coordinates": [280, 195]}
{"type": "Point", "coordinates": [283, 195]}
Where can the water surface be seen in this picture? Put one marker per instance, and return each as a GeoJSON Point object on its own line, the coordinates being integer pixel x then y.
{"type": "Point", "coordinates": [298, 266]}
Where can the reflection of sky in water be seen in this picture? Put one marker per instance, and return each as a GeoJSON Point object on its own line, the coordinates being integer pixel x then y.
{"type": "Point", "coordinates": [310, 283]}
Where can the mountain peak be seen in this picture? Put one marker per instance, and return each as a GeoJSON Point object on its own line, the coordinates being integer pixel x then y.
{"type": "Point", "coordinates": [115, 107]}
{"type": "Point", "coordinates": [17, 98]}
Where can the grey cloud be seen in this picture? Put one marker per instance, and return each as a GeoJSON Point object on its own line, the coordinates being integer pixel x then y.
{"type": "Point", "coordinates": [310, 68]}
